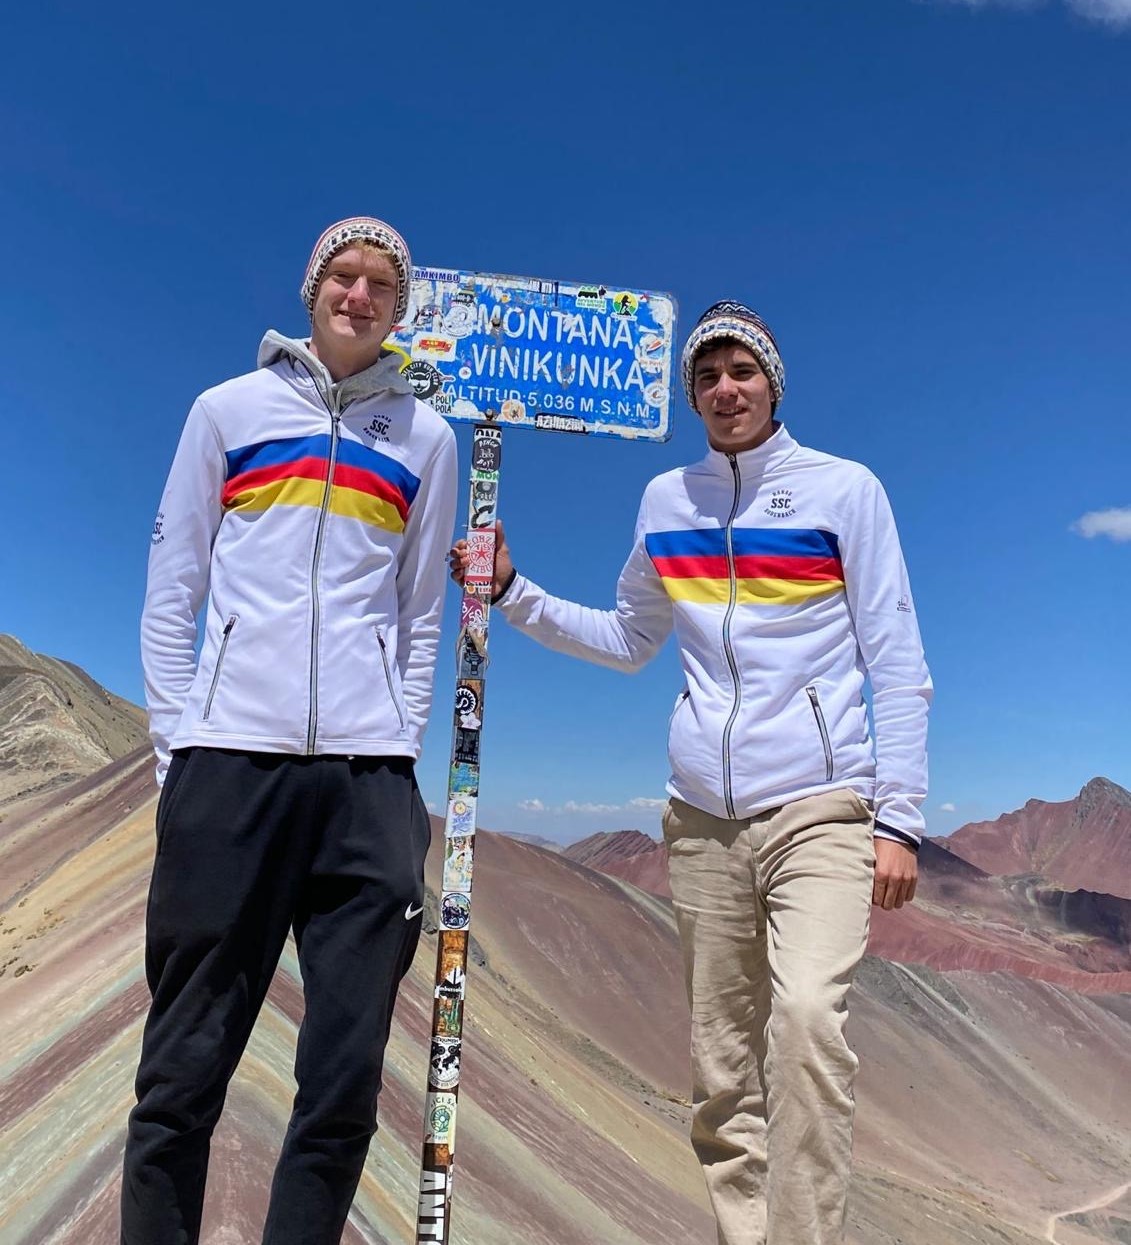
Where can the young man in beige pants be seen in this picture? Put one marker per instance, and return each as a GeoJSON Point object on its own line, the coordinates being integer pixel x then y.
{"type": "Point", "coordinates": [780, 570]}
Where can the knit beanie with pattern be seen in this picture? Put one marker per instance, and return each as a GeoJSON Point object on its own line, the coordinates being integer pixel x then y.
{"type": "Point", "coordinates": [359, 229]}
{"type": "Point", "coordinates": [733, 321]}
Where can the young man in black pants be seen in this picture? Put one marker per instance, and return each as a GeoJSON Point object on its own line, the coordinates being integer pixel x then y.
{"type": "Point", "coordinates": [311, 503]}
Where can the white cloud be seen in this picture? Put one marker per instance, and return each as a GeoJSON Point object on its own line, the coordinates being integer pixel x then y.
{"type": "Point", "coordinates": [947, 808]}
{"type": "Point", "coordinates": [1114, 523]}
{"type": "Point", "coordinates": [1114, 13]}
{"type": "Point", "coordinates": [1005, 4]}
{"type": "Point", "coordinates": [638, 804]}
{"type": "Point", "coordinates": [1111, 12]}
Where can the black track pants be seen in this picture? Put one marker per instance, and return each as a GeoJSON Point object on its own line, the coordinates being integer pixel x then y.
{"type": "Point", "coordinates": [249, 845]}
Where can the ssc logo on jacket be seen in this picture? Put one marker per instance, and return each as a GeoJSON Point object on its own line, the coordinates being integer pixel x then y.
{"type": "Point", "coordinates": [781, 504]}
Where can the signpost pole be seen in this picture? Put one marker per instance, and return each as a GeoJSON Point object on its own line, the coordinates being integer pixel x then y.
{"type": "Point", "coordinates": [528, 353]}
{"type": "Point", "coordinates": [433, 1221]}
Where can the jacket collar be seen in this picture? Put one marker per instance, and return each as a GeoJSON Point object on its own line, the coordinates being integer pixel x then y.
{"type": "Point", "coordinates": [756, 462]}
{"type": "Point", "coordinates": [384, 376]}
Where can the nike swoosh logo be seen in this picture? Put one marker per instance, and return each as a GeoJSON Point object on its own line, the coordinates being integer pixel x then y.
{"type": "Point", "coordinates": [410, 912]}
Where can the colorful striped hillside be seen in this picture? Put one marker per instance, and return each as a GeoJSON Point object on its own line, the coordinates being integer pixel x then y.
{"type": "Point", "coordinates": [773, 566]}
{"type": "Point", "coordinates": [368, 485]}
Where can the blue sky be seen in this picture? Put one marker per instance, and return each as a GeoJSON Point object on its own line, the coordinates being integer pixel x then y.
{"type": "Point", "coordinates": [928, 202]}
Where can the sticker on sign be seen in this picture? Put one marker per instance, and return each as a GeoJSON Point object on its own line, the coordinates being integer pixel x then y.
{"type": "Point", "coordinates": [527, 353]}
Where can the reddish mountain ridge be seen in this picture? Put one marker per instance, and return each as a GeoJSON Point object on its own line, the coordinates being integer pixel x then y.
{"type": "Point", "coordinates": [627, 854]}
{"type": "Point", "coordinates": [1080, 844]}
{"type": "Point", "coordinates": [964, 917]}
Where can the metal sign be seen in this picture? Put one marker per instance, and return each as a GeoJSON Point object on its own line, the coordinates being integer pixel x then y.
{"type": "Point", "coordinates": [540, 354]}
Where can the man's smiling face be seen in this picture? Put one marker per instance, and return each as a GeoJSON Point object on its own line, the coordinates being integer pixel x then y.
{"type": "Point", "coordinates": [733, 398]}
{"type": "Point", "coordinates": [355, 303]}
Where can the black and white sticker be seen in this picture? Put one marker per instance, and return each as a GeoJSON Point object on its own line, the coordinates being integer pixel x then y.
{"type": "Point", "coordinates": [443, 1064]}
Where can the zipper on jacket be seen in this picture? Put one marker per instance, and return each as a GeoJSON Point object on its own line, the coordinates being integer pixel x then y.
{"type": "Point", "coordinates": [680, 701]}
{"type": "Point", "coordinates": [389, 676]}
{"type": "Point", "coordinates": [316, 609]}
{"type": "Point", "coordinates": [818, 713]}
{"type": "Point", "coordinates": [228, 626]}
{"type": "Point", "coordinates": [728, 647]}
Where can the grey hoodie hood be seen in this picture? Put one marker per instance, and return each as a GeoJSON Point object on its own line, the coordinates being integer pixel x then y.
{"type": "Point", "coordinates": [384, 376]}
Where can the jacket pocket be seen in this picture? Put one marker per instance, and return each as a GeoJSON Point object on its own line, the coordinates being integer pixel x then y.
{"type": "Point", "coordinates": [818, 714]}
{"type": "Point", "coordinates": [680, 701]}
{"type": "Point", "coordinates": [169, 791]}
{"type": "Point", "coordinates": [229, 627]}
{"type": "Point", "coordinates": [389, 676]}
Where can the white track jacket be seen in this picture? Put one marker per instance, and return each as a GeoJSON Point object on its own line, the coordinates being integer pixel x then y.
{"type": "Point", "coordinates": [781, 572]}
{"type": "Point", "coordinates": [315, 518]}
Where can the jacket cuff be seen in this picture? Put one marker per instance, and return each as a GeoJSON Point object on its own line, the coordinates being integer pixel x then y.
{"type": "Point", "coordinates": [882, 831]}
{"type": "Point", "coordinates": [505, 588]}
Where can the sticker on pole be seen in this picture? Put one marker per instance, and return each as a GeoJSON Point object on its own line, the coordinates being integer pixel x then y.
{"type": "Point", "coordinates": [455, 911]}
{"type": "Point", "coordinates": [459, 859]}
{"type": "Point", "coordinates": [440, 1120]}
{"type": "Point", "coordinates": [540, 354]}
{"type": "Point", "coordinates": [443, 1063]}
{"type": "Point", "coordinates": [435, 1195]}
{"type": "Point", "coordinates": [460, 822]}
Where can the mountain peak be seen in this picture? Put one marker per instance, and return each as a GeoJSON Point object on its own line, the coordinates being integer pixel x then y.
{"type": "Point", "coordinates": [1080, 844]}
{"type": "Point", "coordinates": [628, 854]}
{"type": "Point", "coordinates": [1099, 791]}
{"type": "Point", "coordinates": [622, 843]}
{"type": "Point", "coordinates": [56, 723]}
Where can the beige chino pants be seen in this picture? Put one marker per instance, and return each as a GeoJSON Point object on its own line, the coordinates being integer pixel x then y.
{"type": "Point", "coordinates": [773, 917]}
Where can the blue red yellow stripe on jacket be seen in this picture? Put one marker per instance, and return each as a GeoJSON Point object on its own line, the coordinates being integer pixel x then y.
{"type": "Point", "coordinates": [368, 485]}
{"type": "Point", "coordinates": [773, 566]}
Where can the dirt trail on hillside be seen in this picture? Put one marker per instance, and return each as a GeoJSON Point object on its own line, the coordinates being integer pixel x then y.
{"type": "Point", "coordinates": [1105, 1199]}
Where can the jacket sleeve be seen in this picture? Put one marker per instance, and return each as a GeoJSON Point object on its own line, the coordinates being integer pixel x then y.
{"type": "Point", "coordinates": [421, 581]}
{"type": "Point", "coordinates": [179, 555]}
{"type": "Point", "coordinates": [887, 633]}
{"type": "Point", "coordinates": [625, 638]}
